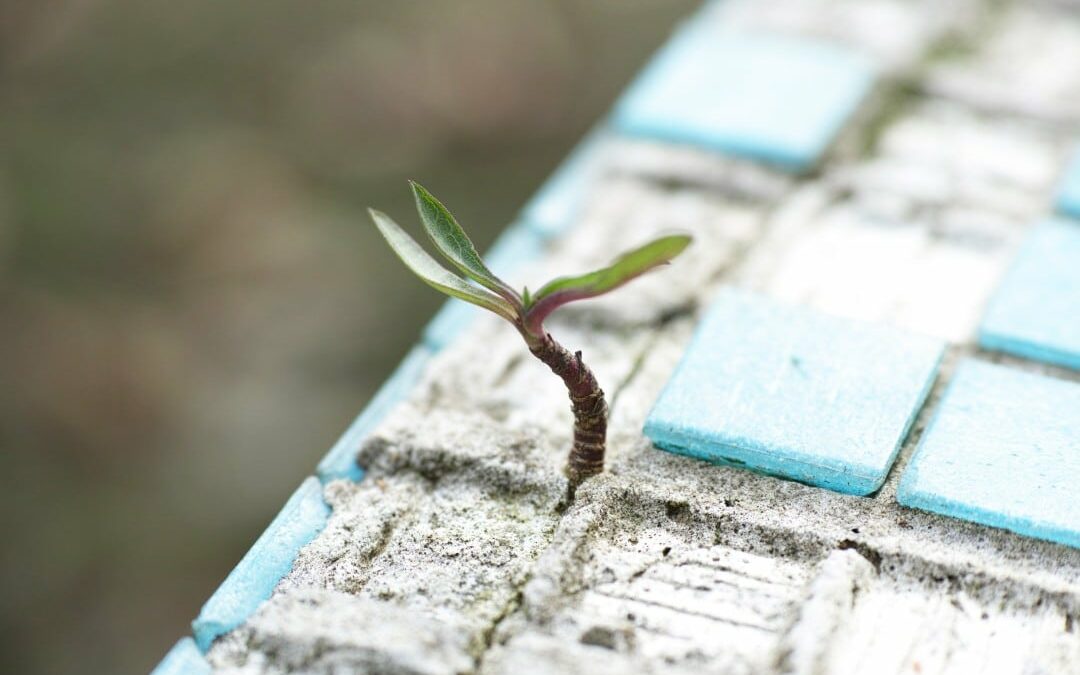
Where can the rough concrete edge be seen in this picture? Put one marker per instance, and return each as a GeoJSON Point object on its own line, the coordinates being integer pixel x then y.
{"type": "Point", "coordinates": [826, 608]}
{"type": "Point", "coordinates": [888, 551]}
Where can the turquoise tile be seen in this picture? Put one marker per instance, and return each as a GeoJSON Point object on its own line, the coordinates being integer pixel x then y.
{"type": "Point", "coordinates": [1068, 198]}
{"type": "Point", "coordinates": [515, 248]}
{"type": "Point", "coordinates": [183, 659]}
{"type": "Point", "coordinates": [795, 393]}
{"type": "Point", "coordinates": [269, 559]}
{"type": "Point", "coordinates": [1003, 450]}
{"type": "Point", "coordinates": [773, 98]}
{"type": "Point", "coordinates": [1035, 312]}
{"type": "Point", "coordinates": [558, 204]}
{"type": "Point", "coordinates": [340, 462]}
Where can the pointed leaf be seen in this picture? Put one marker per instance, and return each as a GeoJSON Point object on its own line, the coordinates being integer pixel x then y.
{"type": "Point", "coordinates": [434, 274]}
{"type": "Point", "coordinates": [449, 237]}
{"type": "Point", "coordinates": [626, 267]}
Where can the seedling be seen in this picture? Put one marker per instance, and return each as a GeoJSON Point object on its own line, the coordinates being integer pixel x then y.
{"type": "Point", "coordinates": [527, 311]}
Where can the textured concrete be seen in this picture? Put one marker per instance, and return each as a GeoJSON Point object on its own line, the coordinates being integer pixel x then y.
{"type": "Point", "coordinates": [462, 551]}
{"type": "Point", "coordinates": [332, 632]}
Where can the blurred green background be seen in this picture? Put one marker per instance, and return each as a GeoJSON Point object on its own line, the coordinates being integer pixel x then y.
{"type": "Point", "coordinates": [193, 303]}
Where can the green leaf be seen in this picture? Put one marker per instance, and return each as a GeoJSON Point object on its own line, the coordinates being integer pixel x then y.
{"type": "Point", "coordinates": [434, 274]}
{"type": "Point", "coordinates": [455, 245]}
{"type": "Point", "coordinates": [626, 267]}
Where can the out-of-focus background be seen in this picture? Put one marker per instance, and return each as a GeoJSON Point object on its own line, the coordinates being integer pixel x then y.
{"type": "Point", "coordinates": [193, 304]}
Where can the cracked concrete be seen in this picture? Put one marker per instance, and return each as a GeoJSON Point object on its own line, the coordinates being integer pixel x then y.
{"type": "Point", "coordinates": [460, 551]}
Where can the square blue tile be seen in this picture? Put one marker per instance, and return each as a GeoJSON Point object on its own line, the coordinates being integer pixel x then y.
{"type": "Point", "coordinates": [183, 659]}
{"type": "Point", "coordinates": [1035, 312]}
{"type": "Point", "coordinates": [515, 248]}
{"type": "Point", "coordinates": [340, 462]}
{"type": "Point", "coordinates": [1003, 450]}
{"type": "Point", "coordinates": [1068, 198]}
{"type": "Point", "coordinates": [271, 557]}
{"type": "Point", "coordinates": [773, 98]}
{"type": "Point", "coordinates": [795, 393]}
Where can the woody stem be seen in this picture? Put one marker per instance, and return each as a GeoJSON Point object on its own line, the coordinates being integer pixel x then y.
{"type": "Point", "coordinates": [587, 403]}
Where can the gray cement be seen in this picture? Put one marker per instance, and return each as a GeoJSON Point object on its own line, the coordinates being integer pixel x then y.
{"type": "Point", "coordinates": [462, 551]}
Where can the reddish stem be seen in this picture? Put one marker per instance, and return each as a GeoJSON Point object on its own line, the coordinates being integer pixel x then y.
{"type": "Point", "coordinates": [587, 403]}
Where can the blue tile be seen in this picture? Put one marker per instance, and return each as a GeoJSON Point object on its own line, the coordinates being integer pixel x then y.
{"type": "Point", "coordinates": [1035, 313]}
{"type": "Point", "coordinates": [516, 247]}
{"type": "Point", "coordinates": [558, 203]}
{"type": "Point", "coordinates": [1003, 450]}
{"type": "Point", "coordinates": [795, 393]}
{"type": "Point", "coordinates": [1068, 198]}
{"type": "Point", "coordinates": [270, 558]}
{"type": "Point", "coordinates": [340, 462]}
{"type": "Point", "coordinates": [772, 98]}
{"type": "Point", "coordinates": [183, 659]}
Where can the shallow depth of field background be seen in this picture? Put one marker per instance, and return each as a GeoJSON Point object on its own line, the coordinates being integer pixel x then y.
{"type": "Point", "coordinates": [192, 302]}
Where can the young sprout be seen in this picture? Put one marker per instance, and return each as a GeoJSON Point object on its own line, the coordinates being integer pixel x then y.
{"type": "Point", "coordinates": [527, 311]}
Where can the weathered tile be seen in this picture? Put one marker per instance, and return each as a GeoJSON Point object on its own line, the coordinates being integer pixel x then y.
{"type": "Point", "coordinates": [183, 659]}
{"type": "Point", "coordinates": [1003, 450]}
{"type": "Point", "coordinates": [736, 93]}
{"type": "Point", "coordinates": [1035, 313]}
{"type": "Point", "coordinates": [512, 251]}
{"type": "Point", "coordinates": [795, 393]}
{"type": "Point", "coordinates": [1068, 197]}
{"type": "Point", "coordinates": [269, 559]}
{"type": "Point", "coordinates": [340, 462]}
